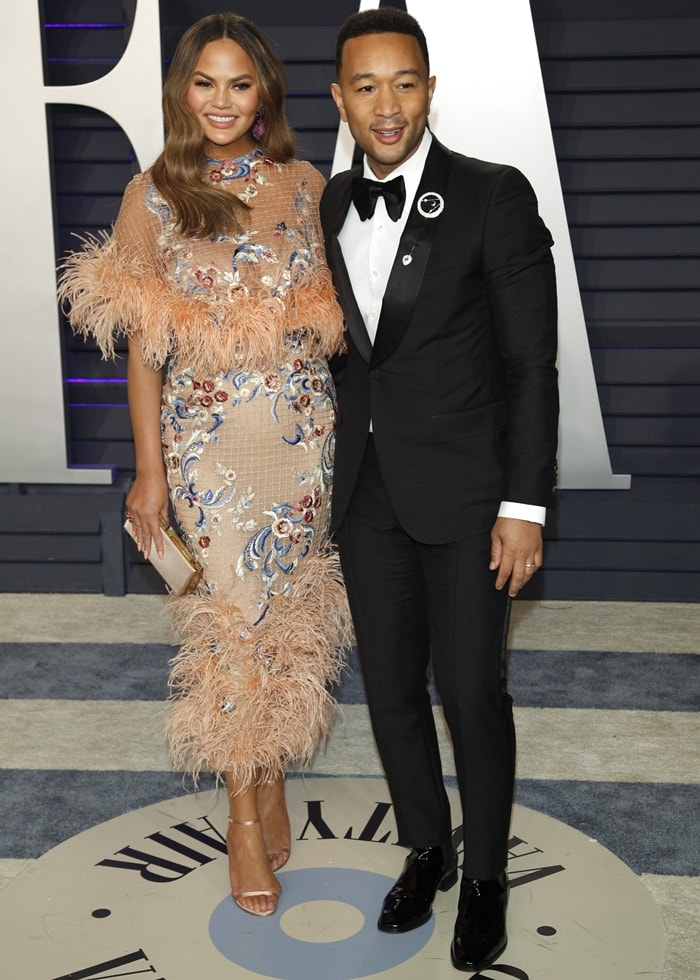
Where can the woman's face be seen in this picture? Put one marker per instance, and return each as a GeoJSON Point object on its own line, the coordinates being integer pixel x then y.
{"type": "Point", "coordinates": [223, 94]}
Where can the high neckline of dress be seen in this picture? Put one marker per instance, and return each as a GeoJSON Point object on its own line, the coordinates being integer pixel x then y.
{"type": "Point", "coordinates": [236, 167]}
{"type": "Point", "coordinates": [257, 152]}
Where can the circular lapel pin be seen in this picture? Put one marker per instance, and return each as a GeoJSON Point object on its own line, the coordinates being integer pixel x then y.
{"type": "Point", "coordinates": [431, 204]}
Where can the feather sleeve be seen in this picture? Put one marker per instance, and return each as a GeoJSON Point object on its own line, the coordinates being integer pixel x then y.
{"type": "Point", "coordinates": [117, 286]}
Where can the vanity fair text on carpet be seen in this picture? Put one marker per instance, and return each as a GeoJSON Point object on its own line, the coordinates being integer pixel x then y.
{"type": "Point", "coordinates": [171, 853]}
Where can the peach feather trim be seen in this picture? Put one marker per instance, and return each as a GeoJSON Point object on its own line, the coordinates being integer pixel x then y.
{"type": "Point", "coordinates": [251, 701]}
{"type": "Point", "coordinates": [108, 295]}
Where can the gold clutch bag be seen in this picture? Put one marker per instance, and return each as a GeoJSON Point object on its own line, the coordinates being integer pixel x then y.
{"type": "Point", "coordinates": [178, 567]}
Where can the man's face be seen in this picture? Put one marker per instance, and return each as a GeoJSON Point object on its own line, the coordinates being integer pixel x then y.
{"type": "Point", "coordinates": [384, 94]}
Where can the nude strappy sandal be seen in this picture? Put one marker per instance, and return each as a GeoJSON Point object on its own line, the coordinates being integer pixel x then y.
{"type": "Point", "coordinates": [251, 894]}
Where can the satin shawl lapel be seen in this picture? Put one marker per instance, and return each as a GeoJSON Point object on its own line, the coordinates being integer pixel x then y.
{"type": "Point", "coordinates": [405, 279]}
{"type": "Point", "coordinates": [353, 318]}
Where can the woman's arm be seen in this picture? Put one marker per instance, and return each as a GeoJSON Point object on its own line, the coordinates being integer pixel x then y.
{"type": "Point", "coordinates": [147, 500]}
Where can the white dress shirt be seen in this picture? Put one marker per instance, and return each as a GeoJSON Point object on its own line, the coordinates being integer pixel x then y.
{"type": "Point", "coordinates": [369, 248]}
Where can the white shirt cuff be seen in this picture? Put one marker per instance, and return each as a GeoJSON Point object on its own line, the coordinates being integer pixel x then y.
{"type": "Point", "coordinates": [523, 512]}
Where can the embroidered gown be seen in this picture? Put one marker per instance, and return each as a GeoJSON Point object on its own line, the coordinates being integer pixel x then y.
{"type": "Point", "coordinates": [242, 325]}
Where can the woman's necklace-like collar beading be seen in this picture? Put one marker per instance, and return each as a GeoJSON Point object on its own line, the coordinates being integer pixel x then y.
{"type": "Point", "coordinates": [230, 169]}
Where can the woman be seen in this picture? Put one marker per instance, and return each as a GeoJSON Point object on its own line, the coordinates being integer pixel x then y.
{"type": "Point", "coordinates": [215, 273]}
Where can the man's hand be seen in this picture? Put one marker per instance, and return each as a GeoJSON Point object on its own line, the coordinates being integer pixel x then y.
{"type": "Point", "coordinates": [516, 551]}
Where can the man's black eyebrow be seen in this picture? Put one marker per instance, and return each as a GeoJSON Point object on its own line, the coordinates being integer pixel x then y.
{"type": "Point", "coordinates": [369, 75]}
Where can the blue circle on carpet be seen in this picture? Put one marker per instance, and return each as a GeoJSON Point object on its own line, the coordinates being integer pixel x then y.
{"type": "Point", "coordinates": [260, 944]}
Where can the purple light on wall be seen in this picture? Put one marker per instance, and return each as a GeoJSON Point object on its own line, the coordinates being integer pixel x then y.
{"type": "Point", "coordinates": [109, 26]}
{"type": "Point", "coordinates": [95, 381]}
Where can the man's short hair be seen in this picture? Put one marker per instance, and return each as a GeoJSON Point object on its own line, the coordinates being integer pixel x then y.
{"type": "Point", "coordinates": [380, 20]}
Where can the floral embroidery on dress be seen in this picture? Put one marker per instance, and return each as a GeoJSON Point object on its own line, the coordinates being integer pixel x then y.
{"type": "Point", "coordinates": [216, 283]}
{"type": "Point", "coordinates": [245, 167]}
{"type": "Point", "coordinates": [193, 412]}
{"type": "Point", "coordinates": [276, 550]}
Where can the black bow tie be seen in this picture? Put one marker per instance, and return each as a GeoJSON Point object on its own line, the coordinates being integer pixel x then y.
{"type": "Point", "coordinates": [365, 193]}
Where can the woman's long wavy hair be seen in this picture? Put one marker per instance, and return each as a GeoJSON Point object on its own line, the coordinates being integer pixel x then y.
{"type": "Point", "coordinates": [203, 209]}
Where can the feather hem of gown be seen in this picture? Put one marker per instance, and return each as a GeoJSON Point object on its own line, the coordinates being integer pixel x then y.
{"type": "Point", "coordinates": [251, 700]}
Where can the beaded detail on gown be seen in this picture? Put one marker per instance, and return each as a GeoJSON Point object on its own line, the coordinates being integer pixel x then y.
{"type": "Point", "coordinates": [242, 325]}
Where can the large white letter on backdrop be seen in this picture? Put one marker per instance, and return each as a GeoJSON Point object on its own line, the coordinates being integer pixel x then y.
{"type": "Point", "coordinates": [490, 103]}
{"type": "Point", "coordinates": [34, 443]}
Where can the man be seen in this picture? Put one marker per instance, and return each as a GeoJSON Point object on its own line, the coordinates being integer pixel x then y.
{"type": "Point", "coordinates": [445, 459]}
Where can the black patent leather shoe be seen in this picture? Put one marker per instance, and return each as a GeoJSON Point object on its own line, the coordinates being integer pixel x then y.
{"type": "Point", "coordinates": [410, 902]}
{"type": "Point", "coordinates": [480, 931]}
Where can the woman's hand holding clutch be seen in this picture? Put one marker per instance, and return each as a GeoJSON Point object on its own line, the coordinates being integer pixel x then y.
{"type": "Point", "coordinates": [146, 506]}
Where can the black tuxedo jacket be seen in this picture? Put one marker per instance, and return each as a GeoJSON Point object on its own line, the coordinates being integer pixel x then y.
{"type": "Point", "coordinates": [461, 382]}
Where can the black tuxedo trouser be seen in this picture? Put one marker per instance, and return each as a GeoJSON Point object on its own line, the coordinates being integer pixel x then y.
{"type": "Point", "coordinates": [412, 603]}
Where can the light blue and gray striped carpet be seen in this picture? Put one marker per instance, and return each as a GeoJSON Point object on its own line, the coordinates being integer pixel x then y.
{"type": "Point", "coordinates": [606, 699]}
